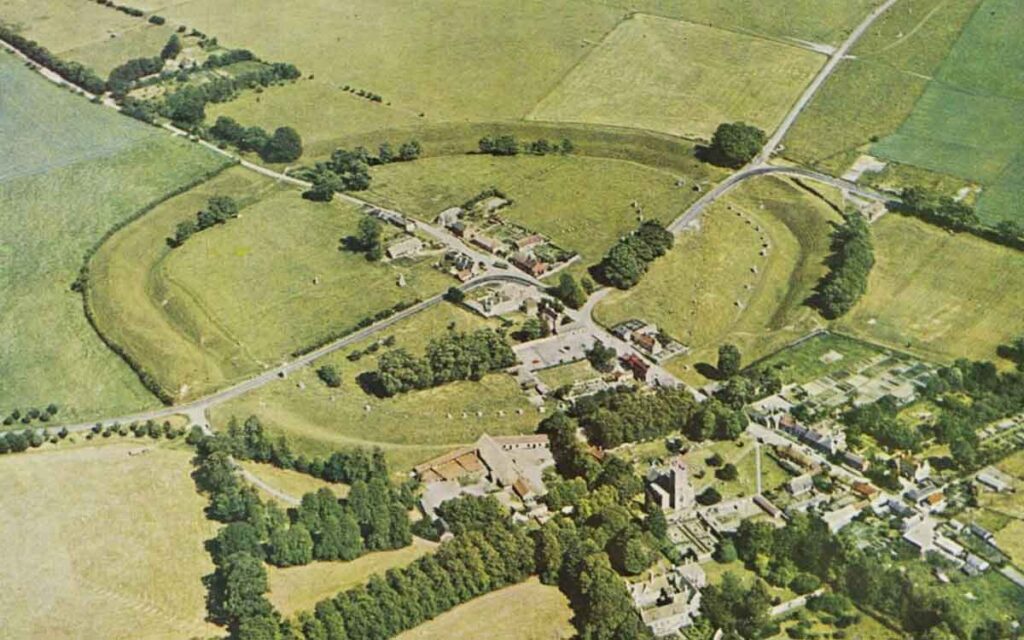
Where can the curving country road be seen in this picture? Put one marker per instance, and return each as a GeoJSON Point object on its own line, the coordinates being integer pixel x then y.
{"type": "Point", "coordinates": [196, 410]}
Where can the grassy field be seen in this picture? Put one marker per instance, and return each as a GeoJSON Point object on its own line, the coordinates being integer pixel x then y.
{"type": "Point", "coordinates": [182, 312]}
{"type": "Point", "coordinates": [967, 122]}
{"type": "Point", "coordinates": [526, 611]}
{"type": "Point", "coordinates": [452, 61]}
{"type": "Point", "coordinates": [411, 427]}
{"type": "Point", "coordinates": [802, 363]}
{"type": "Point", "coordinates": [681, 78]}
{"type": "Point", "coordinates": [566, 374]}
{"type": "Point", "coordinates": [870, 95]}
{"type": "Point", "coordinates": [745, 460]}
{"type": "Point", "coordinates": [141, 40]}
{"type": "Point", "coordinates": [111, 559]}
{"type": "Point", "coordinates": [295, 589]}
{"type": "Point", "coordinates": [61, 25]}
{"type": "Point", "coordinates": [938, 294]}
{"type": "Point", "coordinates": [582, 203]}
{"type": "Point", "coordinates": [293, 483]}
{"type": "Point", "coordinates": [706, 290]}
{"type": "Point", "coordinates": [71, 171]}
{"type": "Point", "coordinates": [824, 21]}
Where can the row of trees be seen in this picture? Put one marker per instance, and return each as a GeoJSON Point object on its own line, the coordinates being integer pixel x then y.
{"type": "Point", "coordinates": [628, 260]}
{"type": "Point", "coordinates": [73, 72]}
{"type": "Point", "coordinates": [455, 356]}
{"type": "Point", "coordinates": [849, 267]}
{"type": "Point", "coordinates": [31, 414]}
{"type": "Point", "coordinates": [955, 215]}
{"type": "Point", "coordinates": [218, 210]}
{"type": "Point", "coordinates": [122, 76]}
{"type": "Point", "coordinates": [349, 170]}
{"type": "Point", "coordinates": [509, 145]}
{"type": "Point", "coordinates": [284, 145]}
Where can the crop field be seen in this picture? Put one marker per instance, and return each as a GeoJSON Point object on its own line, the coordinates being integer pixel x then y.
{"type": "Point", "coordinates": [526, 611]}
{"type": "Point", "coordinates": [112, 559]}
{"type": "Point", "coordinates": [410, 427]}
{"type": "Point", "coordinates": [294, 589]}
{"type": "Point", "coordinates": [870, 95]}
{"type": "Point", "coordinates": [681, 78]}
{"type": "Point", "coordinates": [582, 203]}
{"type": "Point", "coordinates": [820, 21]}
{"type": "Point", "coordinates": [938, 294]}
{"type": "Point", "coordinates": [71, 170]}
{"type": "Point", "coordinates": [967, 122]}
{"type": "Point", "coordinates": [452, 61]}
{"type": "Point", "coordinates": [182, 312]}
{"type": "Point", "coordinates": [715, 286]}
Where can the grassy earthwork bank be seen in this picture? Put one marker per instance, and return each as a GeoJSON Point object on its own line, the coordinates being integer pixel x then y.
{"type": "Point", "coordinates": [742, 277]}
{"type": "Point", "coordinates": [938, 294]}
{"type": "Point", "coordinates": [681, 78]}
{"type": "Point", "coordinates": [242, 296]}
{"type": "Point", "coordinates": [95, 562]}
{"type": "Point", "coordinates": [74, 171]}
{"type": "Point", "coordinates": [411, 427]}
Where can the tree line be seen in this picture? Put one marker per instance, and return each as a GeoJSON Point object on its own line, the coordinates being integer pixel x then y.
{"type": "Point", "coordinates": [31, 414]}
{"type": "Point", "coordinates": [955, 215]}
{"type": "Point", "coordinates": [849, 267]}
{"type": "Point", "coordinates": [455, 356]}
{"type": "Point", "coordinates": [218, 210]}
{"type": "Point", "coordinates": [349, 170]}
{"type": "Point", "coordinates": [73, 72]}
{"type": "Point", "coordinates": [284, 145]}
{"type": "Point", "coordinates": [628, 260]}
{"type": "Point", "coordinates": [509, 145]}
{"type": "Point", "coordinates": [383, 314]}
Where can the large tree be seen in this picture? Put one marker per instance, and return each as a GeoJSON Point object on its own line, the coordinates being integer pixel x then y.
{"type": "Point", "coordinates": [736, 143]}
{"type": "Point", "coordinates": [284, 146]}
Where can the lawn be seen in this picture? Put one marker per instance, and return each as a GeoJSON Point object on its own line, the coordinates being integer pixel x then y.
{"type": "Point", "coordinates": [295, 589]}
{"type": "Point", "coordinates": [582, 203]}
{"type": "Point", "coordinates": [745, 459]}
{"type": "Point", "coordinates": [870, 95]}
{"type": "Point", "coordinates": [566, 374]}
{"type": "Point", "coordinates": [803, 362]}
{"type": "Point", "coordinates": [70, 171]}
{"type": "Point", "coordinates": [715, 287]}
{"type": "Point", "coordinates": [938, 294]}
{"type": "Point", "coordinates": [182, 312]}
{"type": "Point", "coordinates": [967, 123]}
{"type": "Point", "coordinates": [121, 556]}
{"type": "Point", "coordinates": [681, 78]}
{"type": "Point", "coordinates": [526, 611]}
{"type": "Point", "coordinates": [292, 483]}
{"type": "Point", "coordinates": [456, 60]}
{"type": "Point", "coordinates": [410, 427]}
{"type": "Point", "coordinates": [823, 21]}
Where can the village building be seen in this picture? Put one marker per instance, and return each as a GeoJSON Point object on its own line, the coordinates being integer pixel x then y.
{"type": "Point", "coordinates": [404, 247]}
{"type": "Point", "coordinates": [529, 264]}
{"type": "Point", "coordinates": [855, 461]}
{"type": "Point", "coordinates": [800, 485]}
{"type": "Point", "coordinates": [843, 516]}
{"type": "Point", "coordinates": [647, 343]}
{"type": "Point", "coordinates": [995, 480]}
{"type": "Point", "coordinates": [669, 600]}
{"type": "Point", "coordinates": [637, 365]}
{"type": "Point", "coordinates": [449, 216]}
{"type": "Point", "coordinates": [488, 244]}
{"type": "Point", "coordinates": [670, 488]}
{"type": "Point", "coordinates": [528, 242]}
{"type": "Point", "coordinates": [912, 469]}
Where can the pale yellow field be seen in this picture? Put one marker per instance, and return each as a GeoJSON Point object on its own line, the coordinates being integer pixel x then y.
{"type": "Point", "coordinates": [295, 589]}
{"type": "Point", "coordinates": [292, 483]}
{"type": "Point", "coordinates": [526, 611]}
{"type": "Point", "coordinates": [102, 544]}
{"type": "Point", "coordinates": [681, 78]}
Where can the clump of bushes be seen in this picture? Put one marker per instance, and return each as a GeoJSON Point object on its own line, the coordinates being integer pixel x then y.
{"type": "Point", "coordinates": [629, 259]}
{"type": "Point", "coordinates": [219, 209]}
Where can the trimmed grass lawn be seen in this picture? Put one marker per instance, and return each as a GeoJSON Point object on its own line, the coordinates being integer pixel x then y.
{"type": "Point", "coordinates": [582, 203]}
{"type": "Point", "coordinates": [410, 427]}
{"type": "Point", "coordinates": [870, 95]}
{"type": "Point", "coordinates": [745, 459]}
{"type": "Point", "coordinates": [681, 78]}
{"type": "Point", "coordinates": [526, 611]}
{"type": "Point", "coordinates": [295, 589]}
{"type": "Point", "coordinates": [823, 21]}
{"type": "Point", "coordinates": [69, 171]}
{"type": "Point", "coordinates": [456, 60]}
{"type": "Point", "coordinates": [968, 121]}
{"type": "Point", "coordinates": [706, 290]}
{"type": "Point", "coordinates": [940, 295]}
{"type": "Point", "coordinates": [293, 483]}
{"type": "Point", "coordinates": [566, 374]}
{"type": "Point", "coordinates": [192, 315]}
{"type": "Point", "coordinates": [802, 363]}
{"type": "Point", "coordinates": [121, 556]}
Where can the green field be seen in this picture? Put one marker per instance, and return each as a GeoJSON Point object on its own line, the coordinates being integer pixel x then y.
{"type": "Point", "coordinates": [410, 427]}
{"type": "Point", "coordinates": [294, 589]}
{"type": "Point", "coordinates": [526, 611]}
{"type": "Point", "coordinates": [182, 313]}
{"type": "Point", "coordinates": [941, 295]}
{"type": "Point", "coordinates": [433, 62]}
{"type": "Point", "coordinates": [582, 203]}
{"type": "Point", "coordinates": [681, 78]}
{"type": "Point", "coordinates": [871, 94]}
{"type": "Point", "coordinates": [111, 559]}
{"type": "Point", "coordinates": [566, 374]}
{"type": "Point", "coordinates": [289, 482]}
{"type": "Point", "coordinates": [803, 362]}
{"type": "Point", "coordinates": [73, 171]}
{"type": "Point", "coordinates": [824, 21]}
{"type": "Point", "coordinates": [705, 291]}
{"type": "Point", "coordinates": [142, 40]}
{"type": "Point", "coordinates": [60, 25]}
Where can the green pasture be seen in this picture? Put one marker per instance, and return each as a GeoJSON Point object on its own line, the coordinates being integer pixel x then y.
{"type": "Point", "coordinates": [681, 78]}
{"type": "Point", "coordinates": [803, 362]}
{"type": "Point", "coordinates": [62, 25]}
